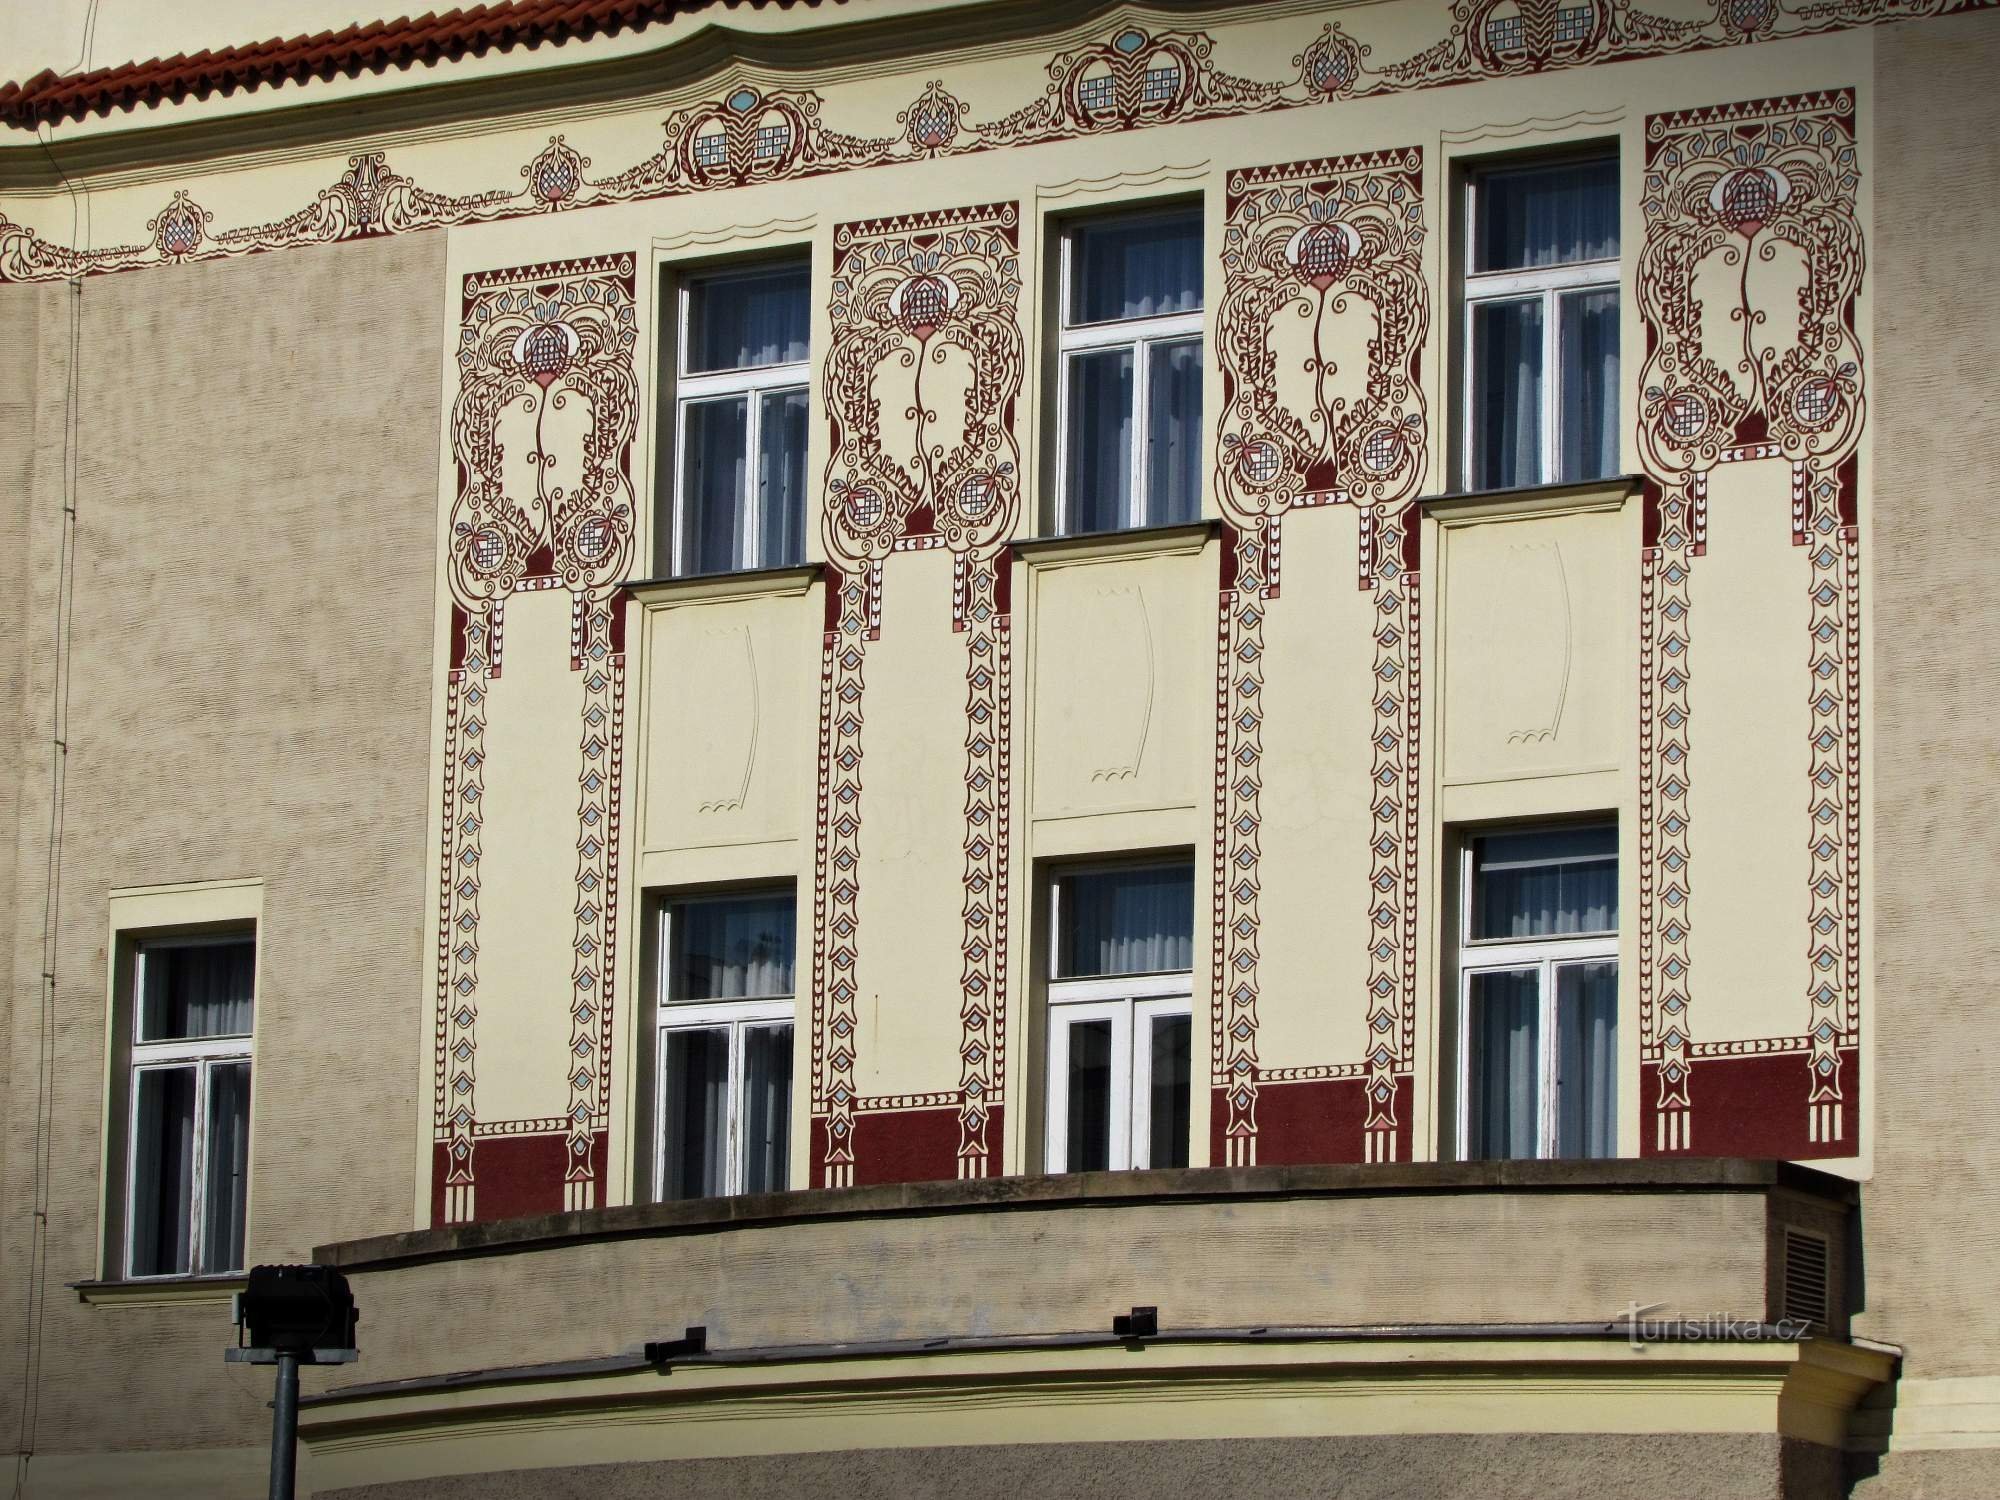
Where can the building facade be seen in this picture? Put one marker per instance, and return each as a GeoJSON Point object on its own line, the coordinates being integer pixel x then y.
{"type": "Point", "coordinates": [890, 679]}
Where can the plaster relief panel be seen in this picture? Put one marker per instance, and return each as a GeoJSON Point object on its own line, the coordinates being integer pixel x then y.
{"type": "Point", "coordinates": [1536, 630]}
{"type": "Point", "coordinates": [728, 698]}
{"type": "Point", "coordinates": [1119, 683]}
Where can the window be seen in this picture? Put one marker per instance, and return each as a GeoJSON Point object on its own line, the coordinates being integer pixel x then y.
{"type": "Point", "coordinates": [187, 1174]}
{"type": "Point", "coordinates": [739, 486]}
{"type": "Point", "coordinates": [1541, 320]}
{"type": "Point", "coordinates": [1120, 1028]}
{"type": "Point", "coordinates": [1538, 993]}
{"type": "Point", "coordinates": [1129, 386]}
{"type": "Point", "coordinates": [725, 1045]}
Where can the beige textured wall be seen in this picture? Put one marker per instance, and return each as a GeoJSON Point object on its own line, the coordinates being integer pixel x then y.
{"type": "Point", "coordinates": [1932, 1214]}
{"type": "Point", "coordinates": [249, 698]}
{"type": "Point", "coordinates": [1327, 1261]}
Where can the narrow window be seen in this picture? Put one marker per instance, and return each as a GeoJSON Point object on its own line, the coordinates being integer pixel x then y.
{"type": "Point", "coordinates": [1120, 1029]}
{"type": "Point", "coordinates": [725, 1045]}
{"type": "Point", "coordinates": [1541, 323]}
{"type": "Point", "coordinates": [187, 1172]}
{"type": "Point", "coordinates": [739, 473]}
{"type": "Point", "coordinates": [1538, 993]}
{"type": "Point", "coordinates": [1129, 385]}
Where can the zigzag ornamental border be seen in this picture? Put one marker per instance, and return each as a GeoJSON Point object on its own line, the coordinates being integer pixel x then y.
{"type": "Point", "coordinates": [1332, 240]}
{"type": "Point", "coordinates": [1724, 184]}
{"type": "Point", "coordinates": [531, 338]}
{"type": "Point", "coordinates": [1133, 80]}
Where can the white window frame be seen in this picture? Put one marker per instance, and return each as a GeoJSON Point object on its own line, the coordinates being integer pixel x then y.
{"type": "Point", "coordinates": [1139, 335]}
{"type": "Point", "coordinates": [751, 384]}
{"type": "Point", "coordinates": [737, 1016]}
{"type": "Point", "coordinates": [1498, 955]}
{"type": "Point", "coordinates": [203, 1055]}
{"type": "Point", "coordinates": [1130, 1002]}
{"type": "Point", "coordinates": [1546, 284]}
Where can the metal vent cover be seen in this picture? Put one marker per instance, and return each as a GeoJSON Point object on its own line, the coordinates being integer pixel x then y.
{"type": "Point", "coordinates": [1806, 1258]}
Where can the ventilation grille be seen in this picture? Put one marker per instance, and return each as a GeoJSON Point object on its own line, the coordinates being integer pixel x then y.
{"type": "Point", "coordinates": [1805, 1279]}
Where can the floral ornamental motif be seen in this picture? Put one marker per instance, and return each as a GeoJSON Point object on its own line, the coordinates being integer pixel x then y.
{"type": "Point", "coordinates": [1320, 334]}
{"type": "Point", "coordinates": [530, 352]}
{"type": "Point", "coordinates": [555, 176]}
{"type": "Point", "coordinates": [1133, 80]}
{"type": "Point", "coordinates": [180, 227]}
{"type": "Point", "coordinates": [1323, 279]}
{"type": "Point", "coordinates": [1331, 66]}
{"type": "Point", "coordinates": [1754, 205]}
{"type": "Point", "coordinates": [934, 122]}
{"type": "Point", "coordinates": [1748, 20]}
{"type": "Point", "coordinates": [925, 331]}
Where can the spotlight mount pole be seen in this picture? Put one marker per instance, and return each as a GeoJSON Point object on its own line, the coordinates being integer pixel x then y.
{"type": "Point", "coordinates": [288, 1316]}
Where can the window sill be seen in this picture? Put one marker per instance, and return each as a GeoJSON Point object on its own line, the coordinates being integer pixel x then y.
{"type": "Point", "coordinates": [1137, 541]}
{"type": "Point", "coordinates": [703, 588]}
{"type": "Point", "coordinates": [160, 1291]}
{"type": "Point", "coordinates": [1527, 499]}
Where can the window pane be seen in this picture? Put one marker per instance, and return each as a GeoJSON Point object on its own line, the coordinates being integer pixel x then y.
{"type": "Point", "coordinates": [162, 1171]}
{"type": "Point", "coordinates": [1547, 215]}
{"type": "Point", "coordinates": [714, 529]}
{"type": "Point", "coordinates": [225, 1186]}
{"type": "Point", "coordinates": [767, 1108]}
{"type": "Point", "coordinates": [1587, 1061]}
{"type": "Point", "coordinates": [1172, 1041]}
{"type": "Point", "coordinates": [1136, 921]}
{"type": "Point", "coordinates": [695, 1112]}
{"type": "Point", "coordinates": [1135, 268]}
{"type": "Point", "coordinates": [196, 989]}
{"type": "Point", "coordinates": [1506, 394]}
{"type": "Point", "coordinates": [1587, 329]}
{"type": "Point", "coordinates": [1173, 433]}
{"type": "Point", "coordinates": [1089, 1096]}
{"type": "Point", "coordinates": [748, 318]}
{"type": "Point", "coordinates": [1501, 1074]}
{"type": "Point", "coordinates": [1549, 883]}
{"type": "Point", "coordinates": [1097, 434]}
{"type": "Point", "coordinates": [781, 480]}
{"type": "Point", "coordinates": [730, 950]}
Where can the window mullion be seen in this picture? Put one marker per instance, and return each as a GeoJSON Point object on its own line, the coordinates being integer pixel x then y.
{"type": "Point", "coordinates": [1551, 1052]}
{"type": "Point", "coordinates": [1121, 1087]}
{"type": "Point", "coordinates": [732, 1111]}
{"type": "Point", "coordinates": [1135, 497]}
{"type": "Point", "coordinates": [198, 1168]}
{"type": "Point", "coordinates": [750, 521]}
{"type": "Point", "coordinates": [1551, 387]}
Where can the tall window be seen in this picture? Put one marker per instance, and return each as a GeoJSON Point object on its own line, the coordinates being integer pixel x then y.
{"type": "Point", "coordinates": [739, 497]}
{"type": "Point", "coordinates": [1129, 436]}
{"type": "Point", "coordinates": [725, 1045]}
{"type": "Point", "coordinates": [1541, 319]}
{"type": "Point", "coordinates": [187, 1174]}
{"type": "Point", "coordinates": [1538, 993]}
{"type": "Point", "coordinates": [1120, 1031]}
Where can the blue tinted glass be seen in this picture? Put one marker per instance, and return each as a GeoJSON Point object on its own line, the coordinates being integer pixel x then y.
{"type": "Point", "coordinates": [748, 318]}
{"type": "Point", "coordinates": [1136, 921]}
{"type": "Point", "coordinates": [1135, 268]}
{"type": "Point", "coordinates": [1547, 215]}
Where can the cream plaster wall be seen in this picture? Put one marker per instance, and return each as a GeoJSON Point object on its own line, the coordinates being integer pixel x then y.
{"type": "Point", "coordinates": [255, 538]}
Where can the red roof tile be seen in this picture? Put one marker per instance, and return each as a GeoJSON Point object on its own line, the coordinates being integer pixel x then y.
{"type": "Point", "coordinates": [375, 48]}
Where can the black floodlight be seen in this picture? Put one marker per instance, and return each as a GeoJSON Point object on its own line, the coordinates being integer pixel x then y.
{"type": "Point", "coordinates": [694, 1341]}
{"type": "Point", "coordinates": [303, 1310]}
{"type": "Point", "coordinates": [1139, 1323]}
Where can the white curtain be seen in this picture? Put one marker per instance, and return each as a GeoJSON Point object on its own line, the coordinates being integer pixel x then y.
{"type": "Point", "coordinates": [163, 1172]}
{"type": "Point", "coordinates": [731, 950]}
{"type": "Point", "coordinates": [226, 1174]}
{"type": "Point", "coordinates": [696, 1110]}
{"type": "Point", "coordinates": [1135, 268]}
{"type": "Point", "coordinates": [767, 1108]}
{"type": "Point", "coordinates": [1505, 1039]}
{"type": "Point", "coordinates": [1545, 884]}
{"type": "Point", "coordinates": [1587, 1063]}
{"type": "Point", "coordinates": [1507, 377]}
{"type": "Point", "coordinates": [1589, 422]}
{"type": "Point", "coordinates": [1546, 216]}
{"type": "Point", "coordinates": [197, 989]}
{"type": "Point", "coordinates": [749, 318]}
{"type": "Point", "coordinates": [1137, 921]}
{"type": "Point", "coordinates": [1173, 433]}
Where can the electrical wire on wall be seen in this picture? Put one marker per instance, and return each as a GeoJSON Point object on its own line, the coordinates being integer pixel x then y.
{"type": "Point", "coordinates": [34, 1310]}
